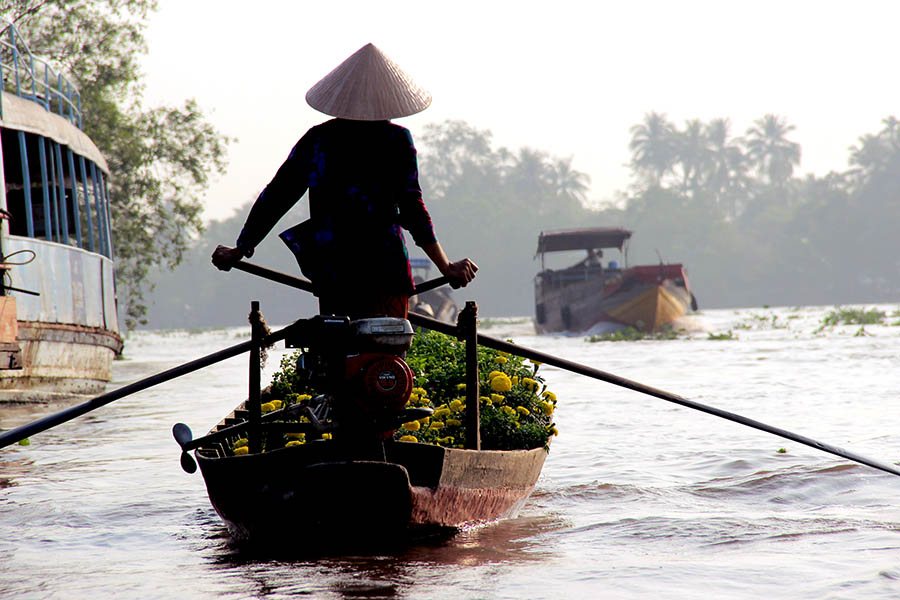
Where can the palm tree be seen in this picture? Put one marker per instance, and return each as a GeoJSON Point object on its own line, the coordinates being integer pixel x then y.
{"type": "Point", "coordinates": [692, 153]}
{"type": "Point", "coordinates": [571, 185]}
{"type": "Point", "coordinates": [653, 147]}
{"type": "Point", "coordinates": [727, 175]}
{"type": "Point", "coordinates": [768, 147]}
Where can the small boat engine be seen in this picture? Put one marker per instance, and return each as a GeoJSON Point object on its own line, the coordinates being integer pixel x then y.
{"type": "Point", "coordinates": [360, 365]}
{"type": "Point", "coordinates": [378, 379]}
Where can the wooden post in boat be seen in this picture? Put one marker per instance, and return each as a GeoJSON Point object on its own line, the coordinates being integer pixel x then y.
{"type": "Point", "coordinates": [254, 438]}
{"type": "Point", "coordinates": [468, 331]}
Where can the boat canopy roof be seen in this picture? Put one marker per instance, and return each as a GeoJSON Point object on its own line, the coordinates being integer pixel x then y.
{"type": "Point", "coordinates": [582, 239]}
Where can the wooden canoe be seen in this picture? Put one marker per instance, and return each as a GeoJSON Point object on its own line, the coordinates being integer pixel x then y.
{"type": "Point", "coordinates": [328, 492]}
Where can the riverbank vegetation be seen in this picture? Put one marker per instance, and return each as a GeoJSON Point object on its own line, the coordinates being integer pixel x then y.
{"type": "Point", "coordinates": [731, 207]}
{"type": "Point", "coordinates": [160, 158]}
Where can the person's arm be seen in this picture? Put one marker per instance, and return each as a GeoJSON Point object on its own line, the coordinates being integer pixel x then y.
{"type": "Point", "coordinates": [285, 189]}
{"type": "Point", "coordinates": [459, 273]}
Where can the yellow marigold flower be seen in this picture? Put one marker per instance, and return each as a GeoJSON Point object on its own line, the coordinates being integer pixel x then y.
{"type": "Point", "coordinates": [425, 420]}
{"type": "Point", "coordinates": [486, 401]}
{"type": "Point", "coordinates": [437, 424]}
{"type": "Point", "coordinates": [515, 424]}
{"type": "Point", "coordinates": [515, 380]}
{"type": "Point", "coordinates": [445, 440]}
{"type": "Point", "coordinates": [501, 360]}
{"type": "Point", "coordinates": [523, 411]}
{"type": "Point", "coordinates": [493, 374]}
{"type": "Point", "coordinates": [296, 436]}
{"type": "Point", "coordinates": [498, 398]}
{"type": "Point", "coordinates": [485, 398]}
{"type": "Point", "coordinates": [326, 436]}
{"type": "Point", "coordinates": [455, 404]}
{"type": "Point", "coordinates": [501, 383]}
{"type": "Point", "coordinates": [408, 438]}
{"type": "Point", "coordinates": [509, 410]}
{"type": "Point", "coordinates": [553, 430]}
{"type": "Point", "coordinates": [303, 419]}
{"type": "Point", "coordinates": [302, 397]}
{"type": "Point", "coordinates": [241, 451]}
{"type": "Point", "coordinates": [546, 407]}
{"type": "Point", "coordinates": [293, 443]}
{"type": "Point", "coordinates": [441, 413]}
{"type": "Point", "coordinates": [453, 422]}
{"type": "Point", "coordinates": [420, 391]}
{"type": "Point", "coordinates": [413, 398]}
{"type": "Point", "coordinates": [266, 407]}
{"type": "Point", "coordinates": [240, 442]}
{"type": "Point", "coordinates": [412, 426]}
{"type": "Point", "coordinates": [276, 403]}
{"type": "Point", "coordinates": [460, 386]}
{"type": "Point", "coordinates": [529, 384]}
{"type": "Point", "coordinates": [549, 396]}
{"type": "Point", "coordinates": [423, 400]}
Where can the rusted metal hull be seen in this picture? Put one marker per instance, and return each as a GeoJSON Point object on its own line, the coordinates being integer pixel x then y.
{"type": "Point", "coordinates": [67, 335]}
{"type": "Point", "coordinates": [328, 492]}
{"type": "Point", "coordinates": [646, 298]}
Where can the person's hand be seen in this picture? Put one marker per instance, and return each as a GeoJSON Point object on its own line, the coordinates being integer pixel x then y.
{"type": "Point", "coordinates": [224, 257]}
{"type": "Point", "coordinates": [461, 272]}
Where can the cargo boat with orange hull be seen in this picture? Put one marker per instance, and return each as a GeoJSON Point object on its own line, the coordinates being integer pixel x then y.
{"type": "Point", "coordinates": [581, 296]}
{"type": "Point", "coordinates": [59, 330]}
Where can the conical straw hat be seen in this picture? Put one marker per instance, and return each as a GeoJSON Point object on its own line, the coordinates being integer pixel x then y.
{"type": "Point", "coordinates": [368, 86]}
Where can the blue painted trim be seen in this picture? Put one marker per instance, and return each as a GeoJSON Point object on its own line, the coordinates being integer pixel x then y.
{"type": "Point", "coordinates": [87, 203]}
{"type": "Point", "coordinates": [26, 181]}
{"type": "Point", "coordinates": [63, 204]}
{"type": "Point", "coordinates": [48, 220]}
{"type": "Point", "coordinates": [76, 209]}
{"type": "Point", "coordinates": [101, 229]}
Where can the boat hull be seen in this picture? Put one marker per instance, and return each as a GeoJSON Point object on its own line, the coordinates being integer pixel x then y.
{"type": "Point", "coordinates": [327, 492]}
{"type": "Point", "coordinates": [646, 298]}
{"type": "Point", "coordinates": [67, 335]}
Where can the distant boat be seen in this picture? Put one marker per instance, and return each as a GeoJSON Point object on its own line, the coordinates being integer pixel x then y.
{"type": "Point", "coordinates": [579, 297]}
{"type": "Point", "coordinates": [59, 330]}
{"type": "Point", "coordinates": [436, 303]}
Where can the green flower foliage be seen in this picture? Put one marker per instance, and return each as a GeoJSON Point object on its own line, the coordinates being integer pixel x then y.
{"type": "Point", "coordinates": [516, 407]}
{"type": "Point", "coordinates": [511, 419]}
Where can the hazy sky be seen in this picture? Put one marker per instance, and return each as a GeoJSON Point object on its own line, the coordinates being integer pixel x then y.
{"type": "Point", "coordinates": [566, 77]}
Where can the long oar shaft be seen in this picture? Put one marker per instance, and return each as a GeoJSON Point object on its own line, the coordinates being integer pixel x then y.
{"type": "Point", "coordinates": [574, 367]}
{"type": "Point", "coordinates": [496, 344]}
{"type": "Point", "coordinates": [24, 431]}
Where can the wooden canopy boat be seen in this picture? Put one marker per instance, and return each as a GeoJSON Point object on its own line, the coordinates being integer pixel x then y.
{"type": "Point", "coordinates": [646, 297]}
{"type": "Point", "coordinates": [348, 483]}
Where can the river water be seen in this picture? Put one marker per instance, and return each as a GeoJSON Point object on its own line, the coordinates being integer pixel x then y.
{"type": "Point", "coordinates": [639, 498]}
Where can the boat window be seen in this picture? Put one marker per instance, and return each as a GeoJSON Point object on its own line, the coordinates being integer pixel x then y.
{"type": "Point", "coordinates": [53, 193]}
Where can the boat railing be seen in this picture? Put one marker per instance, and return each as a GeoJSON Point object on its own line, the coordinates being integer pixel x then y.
{"type": "Point", "coordinates": [34, 78]}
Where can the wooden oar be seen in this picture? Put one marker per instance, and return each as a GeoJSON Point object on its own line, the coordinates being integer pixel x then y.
{"type": "Point", "coordinates": [303, 284]}
{"type": "Point", "coordinates": [22, 432]}
{"type": "Point", "coordinates": [497, 344]}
